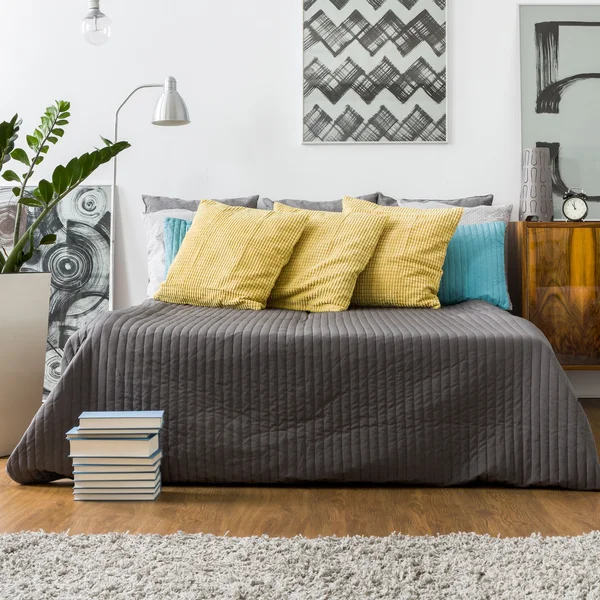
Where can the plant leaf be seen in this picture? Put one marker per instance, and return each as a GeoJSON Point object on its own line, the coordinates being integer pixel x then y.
{"type": "Point", "coordinates": [39, 159]}
{"type": "Point", "coordinates": [21, 156]}
{"type": "Point", "coordinates": [60, 180]}
{"type": "Point", "coordinates": [39, 135]}
{"type": "Point", "coordinates": [32, 142]}
{"type": "Point", "coordinates": [25, 256]}
{"type": "Point", "coordinates": [95, 160]}
{"type": "Point", "coordinates": [105, 155]}
{"type": "Point", "coordinates": [119, 147]}
{"type": "Point", "coordinates": [16, 191]}
{"type": "Point", "coordinates": [48, 240]}
{"type": "Point", "coordinates": [46, 191]}
{"type": "Point", "coordinates": [85, 161]}
{"type": "Point", "coordinates": [64, 115]}
{"type": "Point", "coordinates": [11, 176]}
{"type": "Point", "coordinates": [107, 142]}
{"type": "Point", "coordinates": [91, 164]}
{"type": "Point", "coordinates": [62, 122]}
{"type": "Point", "coordinates": [52, 139]}
{"type": "Point", "coordinates": [31, 202]}
{"type": "Point", "coordinates": [44, 149]}
{"type": "Point", "coordinates": [74, 171]}
{"type": "Point", "coordinates": [9, 133]}
{"type": "Point", "coordinates": [58, 132]}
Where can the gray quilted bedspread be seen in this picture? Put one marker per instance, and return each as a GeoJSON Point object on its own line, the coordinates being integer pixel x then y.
{"type": "Point", "coordinates": [380, 396]}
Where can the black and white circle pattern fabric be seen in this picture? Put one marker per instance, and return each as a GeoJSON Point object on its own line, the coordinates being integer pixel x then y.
{"type": "Point", "coordinates": [7, 224]}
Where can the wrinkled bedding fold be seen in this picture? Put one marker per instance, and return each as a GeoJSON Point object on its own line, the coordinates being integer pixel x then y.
{"type": "Point", "coordinates": [376, 396]}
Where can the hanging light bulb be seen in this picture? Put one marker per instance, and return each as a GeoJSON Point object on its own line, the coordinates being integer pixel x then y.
{"type": "Point", "coordinates": [96, 28]}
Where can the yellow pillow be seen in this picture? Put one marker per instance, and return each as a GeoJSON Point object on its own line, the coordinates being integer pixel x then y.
{"type": "Point", "coordinates": [332, 251]}
{"type": "Point", "coordinates": [406, 268]}
{"type": "Point", "coordinates": [231, 257]}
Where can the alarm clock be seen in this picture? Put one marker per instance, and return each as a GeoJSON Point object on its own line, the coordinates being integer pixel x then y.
{"type": "Point", "coordinates": [575, 206]}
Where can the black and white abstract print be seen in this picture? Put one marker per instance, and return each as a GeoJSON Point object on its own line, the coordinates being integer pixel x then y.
{"type": "Point", "coordinates": [374, 71]}
{"type": "Point", "coordinates": [560, 87]}
{"type": "Point", "coordinates": [79, 263]}
{"type": "Point", "coordinates": [552, 85]}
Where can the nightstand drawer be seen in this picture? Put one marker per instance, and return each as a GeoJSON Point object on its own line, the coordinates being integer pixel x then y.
{"type": "Point", "coordinates": [560, 272]}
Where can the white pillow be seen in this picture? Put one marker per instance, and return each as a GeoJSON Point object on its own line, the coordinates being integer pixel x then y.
{"type": "Point", "coordinates": [471, 216]}
{"type": "Point", "coordinates": [154, 225]}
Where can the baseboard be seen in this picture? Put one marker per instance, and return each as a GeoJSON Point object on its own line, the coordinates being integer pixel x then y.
{"type": "Point", "coordinates": [586, 383]}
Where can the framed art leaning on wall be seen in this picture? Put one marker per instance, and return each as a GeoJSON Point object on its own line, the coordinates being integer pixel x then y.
{"type": "Point", "coordinates": [374, 71]}
{"type": "Point", "coordinates": [560, 91]}
{"type": "Point", "coordinates": [79, 263]}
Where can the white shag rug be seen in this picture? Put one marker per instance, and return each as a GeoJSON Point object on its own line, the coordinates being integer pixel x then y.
{"type": "Point", "coordinates": [35, 566]}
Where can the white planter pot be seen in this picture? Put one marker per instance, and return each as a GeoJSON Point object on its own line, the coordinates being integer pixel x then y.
{"type": "Point", "coordinates": [24, 300]}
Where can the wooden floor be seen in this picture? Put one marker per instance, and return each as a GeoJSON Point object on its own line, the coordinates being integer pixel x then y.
{"type": "Point", "coordinates": [309, 512]}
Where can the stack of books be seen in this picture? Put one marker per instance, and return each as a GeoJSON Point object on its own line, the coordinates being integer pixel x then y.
{"type": "Point", "coordinates": [116, 456]}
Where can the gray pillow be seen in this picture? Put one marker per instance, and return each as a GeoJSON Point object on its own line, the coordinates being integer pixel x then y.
{"type": "Point", "coordinates": [332, 206]}
{"type": "Point", "coordinates": [486, 214]}
{"type": "Point", "coordinates": [471, 216]}
{"type": "Point", "coordinates": [465, 202]}
{"type": "Point", "coordinates": [158, 203]}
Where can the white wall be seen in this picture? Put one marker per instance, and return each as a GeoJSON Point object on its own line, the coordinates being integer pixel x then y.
{"type": "Point", "coordinates": [239, 67]}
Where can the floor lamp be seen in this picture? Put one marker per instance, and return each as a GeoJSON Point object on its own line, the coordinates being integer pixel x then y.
{"type": "Point", "coordinates": [170, 111]}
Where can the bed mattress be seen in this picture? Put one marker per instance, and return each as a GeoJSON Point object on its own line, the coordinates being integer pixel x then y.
{"type": "Point", "coordinates": [464, 394]}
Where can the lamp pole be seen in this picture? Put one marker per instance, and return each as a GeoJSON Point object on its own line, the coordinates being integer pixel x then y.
{"type": "Point", "coordinates": [113, 198]}
{"type": "Point", "coordinates": [170, 111]}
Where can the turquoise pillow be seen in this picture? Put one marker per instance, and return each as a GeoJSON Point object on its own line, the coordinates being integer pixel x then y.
{"type": "Point", "coordinates": [474, 267]}
{"type": "Point", "coordinates": [175, 230]}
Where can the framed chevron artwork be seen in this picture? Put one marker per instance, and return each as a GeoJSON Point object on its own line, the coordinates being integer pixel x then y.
{"type": "Point", "coordinates": [374, 71]}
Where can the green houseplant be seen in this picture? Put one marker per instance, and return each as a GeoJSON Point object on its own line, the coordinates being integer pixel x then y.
{"type": "Point", "coordinates": [48, 194]}
{"type": "Point", "coordinates": [24, 297]}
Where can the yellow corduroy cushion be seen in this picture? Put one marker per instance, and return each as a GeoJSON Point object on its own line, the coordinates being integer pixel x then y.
{"type": "Point", "coordinates": [332, 251]}
{"type": "Point", "coordinates": [231, 257]}
{"type": "Point", "coordinates": [406, 268]}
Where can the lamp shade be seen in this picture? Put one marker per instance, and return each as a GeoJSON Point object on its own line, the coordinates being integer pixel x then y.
{"type": "Point", "coordinates": [170, 110]}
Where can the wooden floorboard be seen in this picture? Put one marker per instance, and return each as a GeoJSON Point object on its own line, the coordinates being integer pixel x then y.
{"type": "Point", "coordinates": [310, 512]}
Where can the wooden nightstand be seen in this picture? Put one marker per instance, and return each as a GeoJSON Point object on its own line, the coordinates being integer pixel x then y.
{"type": "Point", "coordinates": [554, 280]}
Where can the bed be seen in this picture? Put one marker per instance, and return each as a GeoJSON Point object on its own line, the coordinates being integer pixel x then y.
{"type": "Point", "coordinates": [464, 394]}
